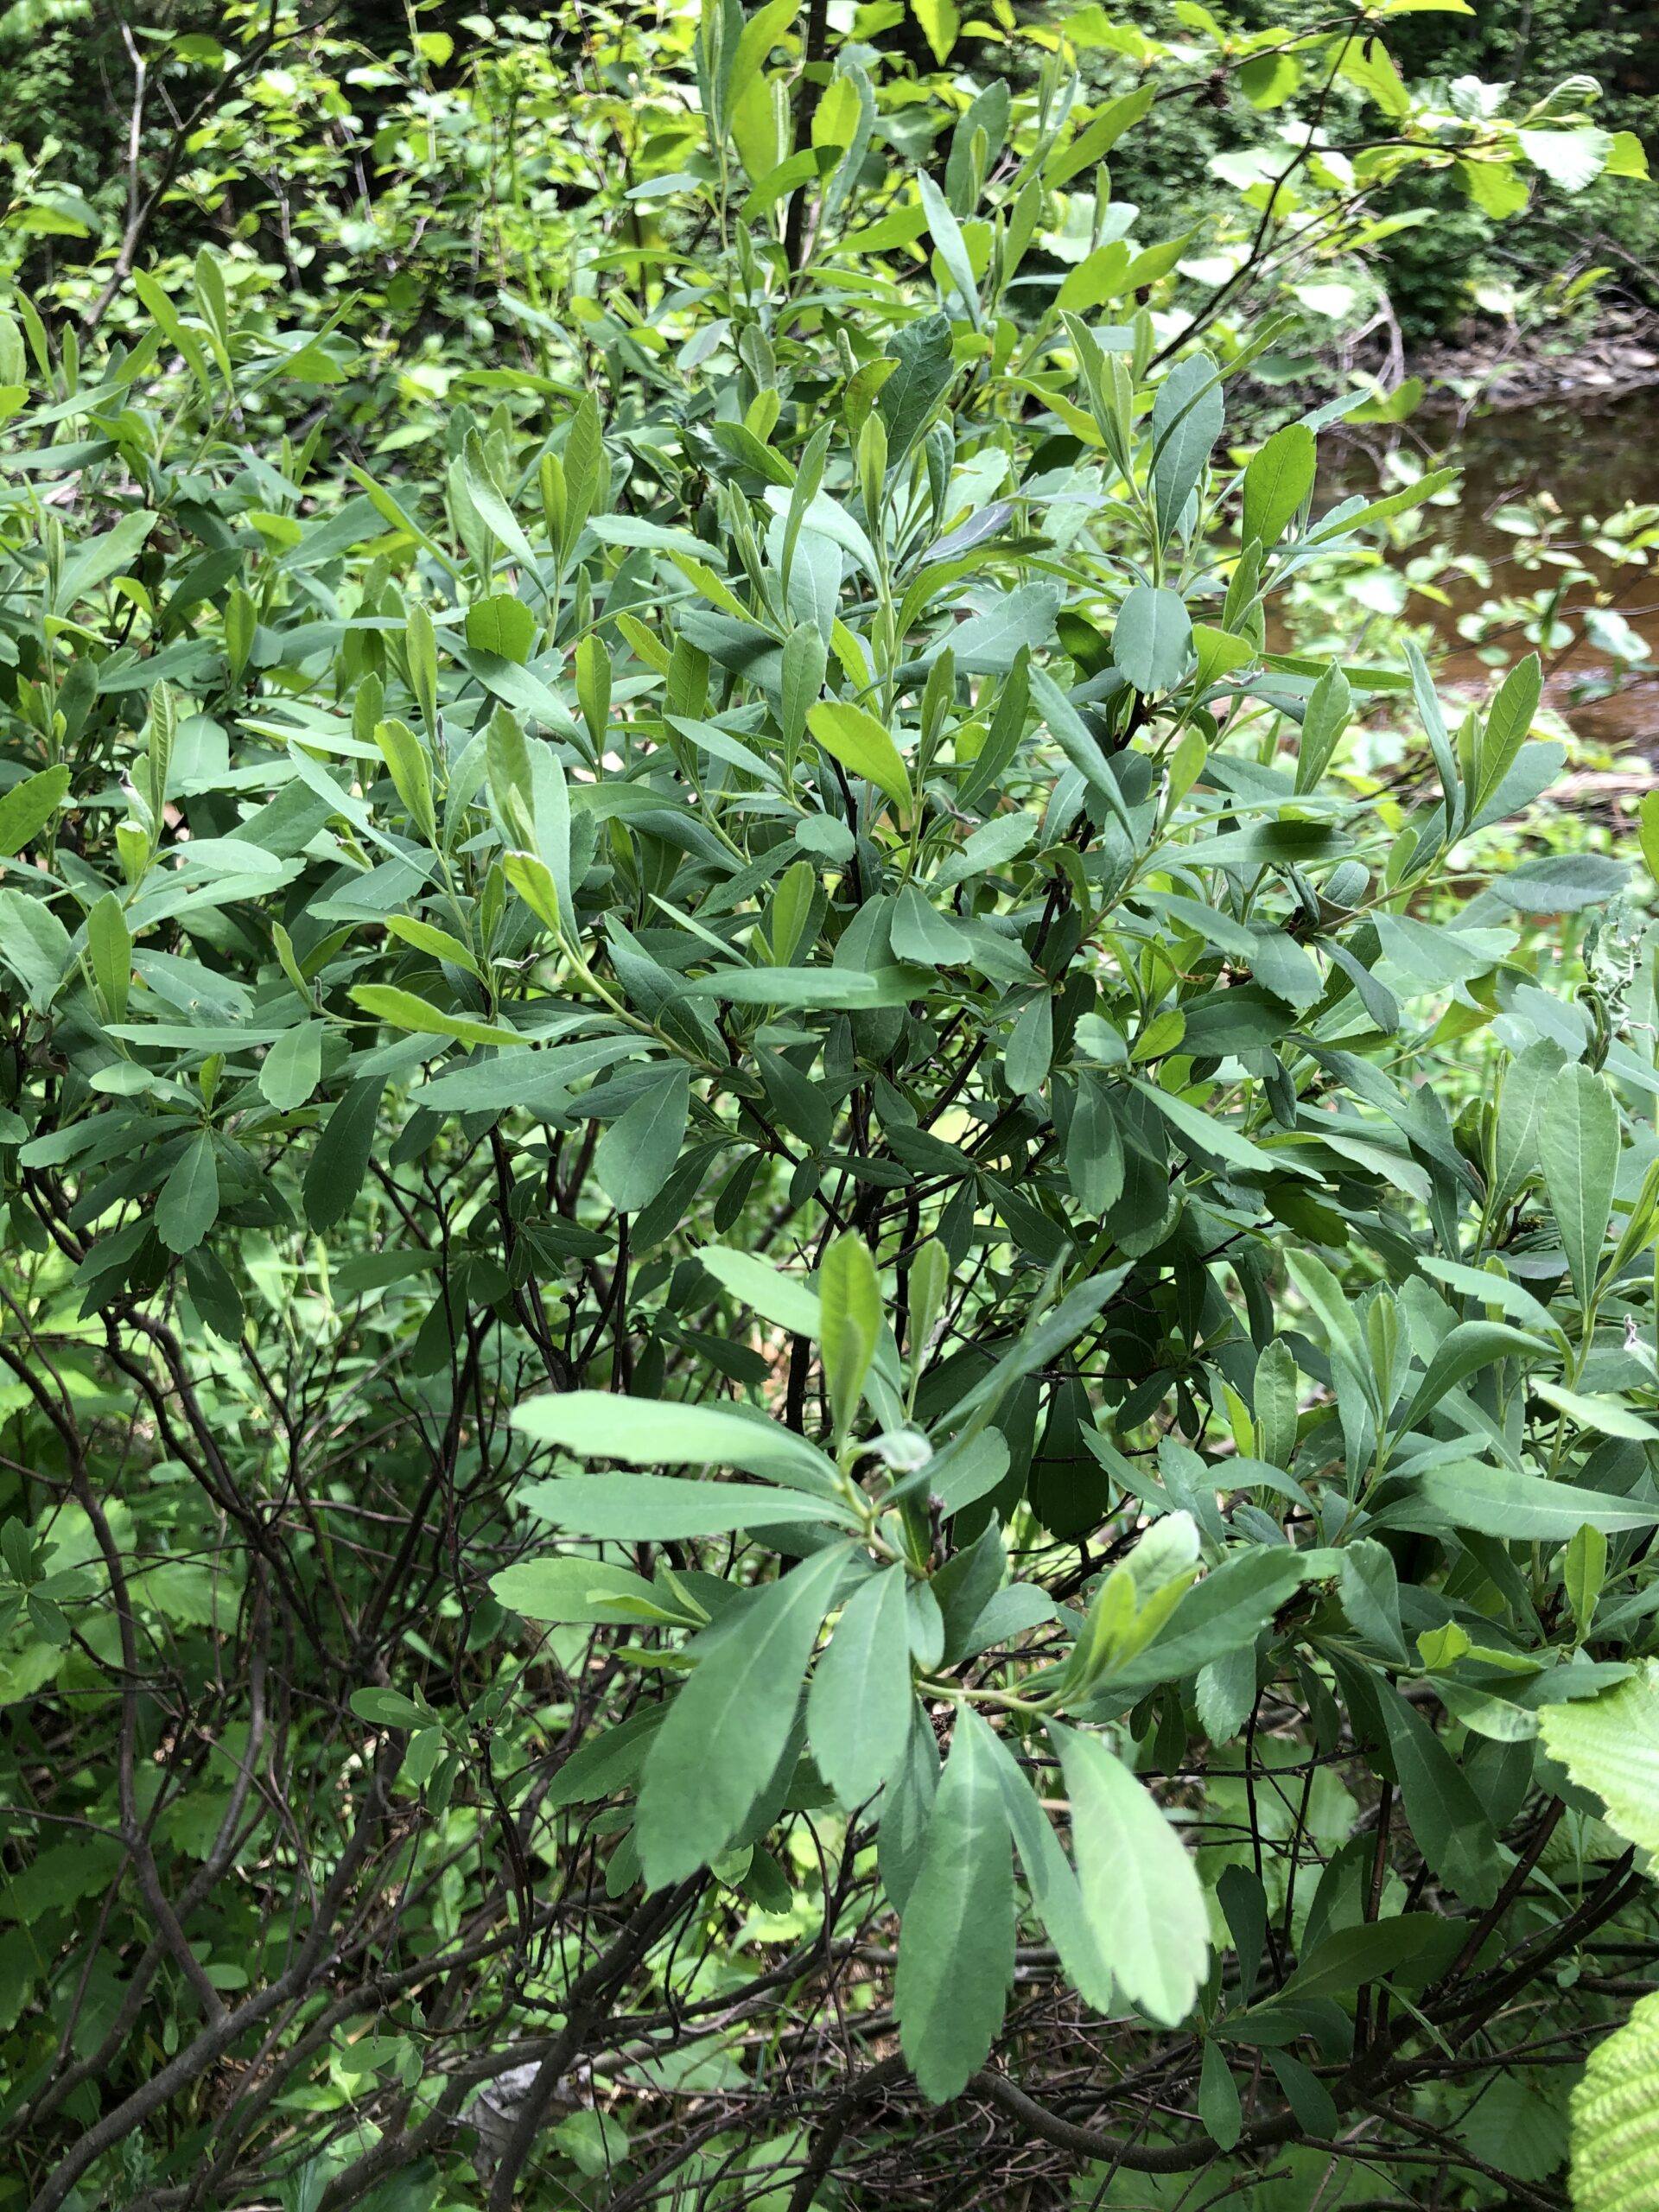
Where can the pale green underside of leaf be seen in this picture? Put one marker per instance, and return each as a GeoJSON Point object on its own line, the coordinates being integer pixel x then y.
{"type": "Point", "coordinates": [1610, 1743]}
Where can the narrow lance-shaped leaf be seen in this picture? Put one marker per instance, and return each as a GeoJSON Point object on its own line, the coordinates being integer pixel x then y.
{"type": "Point", "coordinates": [188, 1206]}
{"type": "Point", "coordinates": [108, 945]}
{"type": "Point", "coordinates": [664, 1509]}
{"type": "Point", "coordinates": [1509, 722]}
{"type": "Point", "coordinates": [1448, 1820]}
{"type": "Point", "coordinates": [862, 746]}
{"type": "Point", "coordinates": [1186, 420]}
{"type": "Point", "coordinates": [726, 1730]}
{"type": "Point", "coordinates": [955, 1945]}
{"type": "Point", "coordinates": [661, 1432]}
{"type": "Point", "coordinates": [1527, 1085]}
{"type": "Point", "coordinates": [1139, 1888]}
{"type": "Point", "coordinates": [635, 1156]}
{"type": "Point", "coordinates": [1054, 1888]}
{"type": "Point", "coordinates": [27, 808]}
{"type": "Point", "coordinates": [1278, 479]}
{"type": "Point", "coordinates": [341, 1157]}
{"type": "Point", "coordinates": [1577, 1149]}
{"type": "Point", "coordinates": [858, 1713]}
{"type": "Point", "coordinates": [850, 1302]}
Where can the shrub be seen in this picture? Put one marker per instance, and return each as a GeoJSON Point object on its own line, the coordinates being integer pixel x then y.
{"type": "Point", "coordinates": [804, 1343]}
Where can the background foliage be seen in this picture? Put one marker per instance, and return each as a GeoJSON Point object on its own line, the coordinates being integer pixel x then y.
{"type": "Point", "coordinates": [829, 1319]}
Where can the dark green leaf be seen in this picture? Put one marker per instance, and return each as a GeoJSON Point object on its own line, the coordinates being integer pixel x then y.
{"type": "Point", "coordinates": [726, 1730]}
{"type": "Point", "coordinates": [956, 1947]}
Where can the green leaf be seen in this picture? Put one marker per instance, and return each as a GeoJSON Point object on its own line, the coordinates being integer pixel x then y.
{"type": "Point", "coordinates": [1152, 641]}
{"type": "Point", "coordinates": [1329, 706]}
{"type": "Point", "coordinates": [1616, 2119]}
{"type": "Point", "coordinates": [1054, 1887]}
{"type": "Point", "coordinates": [1030, 1047]}
{"type": "Point", "coordinates": [955, 1945]}
{"type": "Point", "coordinates": [109, 946]}
{"type": "Point", "coordinates": [1348, 517]}
{"type": "Point", "coordinates": [1094, 1145]}
{"type": "Point", "coordinates": [426, 936]}
{"type": "Point", "coordinates": [988, 643]}
{"type": "Point", "coordinates": [850, 1301]}
{"type": "Point", "coordinates": [775, 1296]}
{"type": "Point", "coordinates": [1627, 156]}
{"type": "Point", "coordinates": [99, 558]}
{"type": "Point", "coordinates": [858, 1711]}
{"type": "Point", "coordinates": [1370, 1597]}
{"type": "Point", "coordinates": [922, 934]}
{"type": "Point", "coordinates": [403, 1010]}
{"type": "Point", "coordinates": [492, 509]}
{"type": "Point", "coordinates": [502, 624]}
{"type": "Point", "coordinates": [1097, 137]}
{"type": "Point", "coordinates": [1224, 1613]}
{"type": "Point", "coordinates": [610, 1762]}
{"type": "Point", "coordinates": [1509, 723]}
{"type": "Point", "coordinates": [1603, 1416]}
{"type": "Point", "coordinates": [564, 1588]}
{"type": "Point", "coordinates": [1466, 1350]}
{"type": "Point", "coordinates": [1529, 1082]}
{"type": "Point", "coordinates": [908, 400]}
{"type": "Point", "coordinates": [1353, 1956]}
{"type": "Point", "coordinates": [907, 1807]}
{"type": "Point", "coordinates": [1205, 1133]}
{"type": "Point", "coordinates": [406, 762]}
{"type": "Point", "coordinates": [1448, 1820]}
{"type": "Point", "coordinates": [861, 744]}
{"type": "Point", "coordinates": [821, 987]}
{"type": "Point", "coordinates": [28, 806]}
{"type": "Point", "coordinates": [1327, 1298]}
{"type": "Point", "coordinates": [1139, 1888]}
{"type": "Point", "coordinates": [1497, 187]}
{"type": "Point", "coordinates": [384, 1708]}
{"type": "Point", "coordinates": [293, 1067]}
{"type": "Point", "coordinates": [941, 22]}
{"type": "Point", "coordinates": [1218, 2102]}
{"type": "Point", "coordinates": [1570, 159]}
{"type": "Point", "coordinates": [188, 1206]}
{"type": "Point", "coordinates": [1100, 275]}
{"type": "Point", "coordinates": [726, 1731]}
{"type": "Point", "coordinates": [1278, 479]}
{"type": "Point", "coordinates": [804, 168]}
{"type": "Point", "coordinates": [1560, 883]}
{"type": "Point", "coordinates": [1610, 1743]}
{"type": "Point", "coordinates": [947, 237]}
{"type": "Point", "coordinates": [1499, 1502]}
{"type": "Point", "coordinates": [665, 1509]}
{"type": "Point", "coordinates": [663, 1433]}
{"type": "Point", "coordinates": [637, 1153]}
{"type": "Point", "coordinates": [420, 644]}
{"type": "Point", "coordinates": [1578, 1150]}
{"type": "Point", "coordinates": [341, 1160]}
{"type": "Point", "coordinates": [34, 944]}
{"type": "Point", "coordinates": [1186, 420]}
{"type": "Point", "coordinates": [1583, 1574]}
{"type": "Point", "coordinates": [1078, 744]}
{"type": "Point", "coordinates": [805, 659]}
{"type": "Point", "coordinates": [635, 531]}
{"type": "Point", "coordinates": [1276, 1393]}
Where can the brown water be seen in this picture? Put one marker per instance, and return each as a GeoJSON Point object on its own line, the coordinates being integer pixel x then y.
{"type": "Point", "coordinates": [1590, 458]}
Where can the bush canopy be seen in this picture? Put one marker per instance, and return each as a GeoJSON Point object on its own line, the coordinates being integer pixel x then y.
{"type": "Point", "coordinates": [827, 1384]}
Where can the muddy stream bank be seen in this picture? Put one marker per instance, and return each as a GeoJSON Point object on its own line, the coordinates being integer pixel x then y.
{"type": "Point", "coordinates": [1589, 455]}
